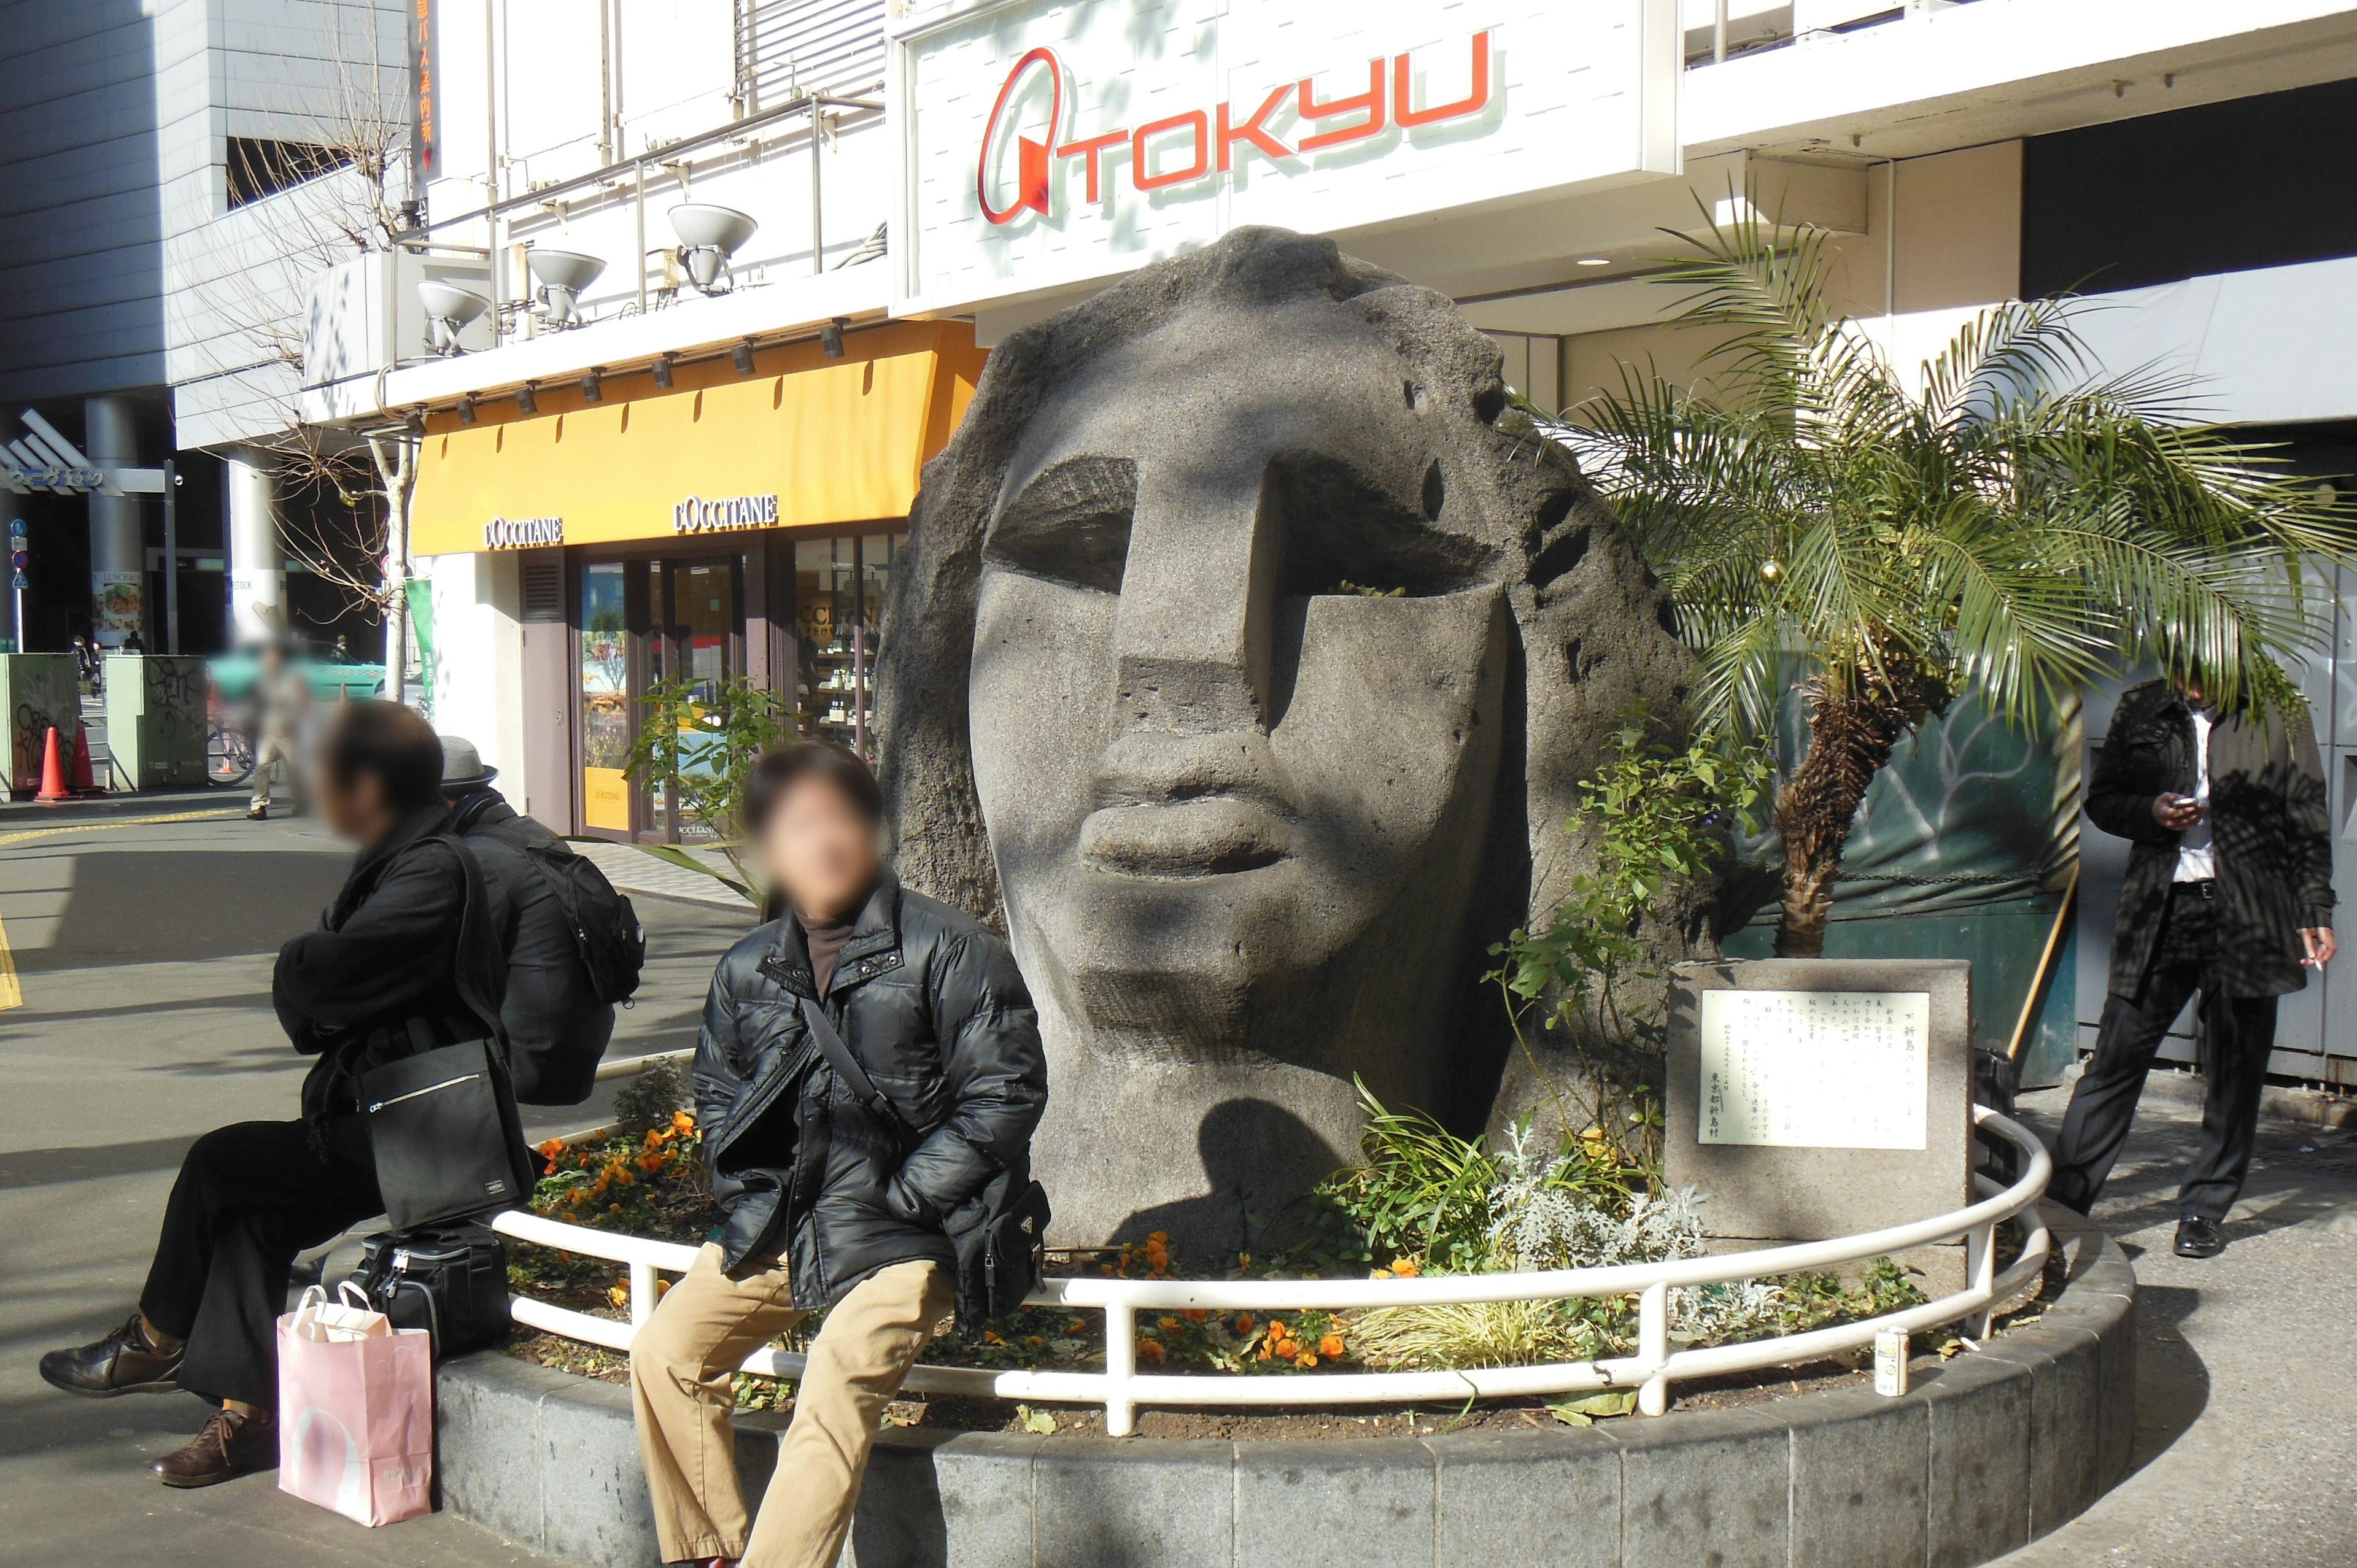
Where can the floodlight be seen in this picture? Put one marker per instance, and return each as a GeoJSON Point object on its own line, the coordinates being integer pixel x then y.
{"type": "Point", "coordinates": [562, 275]}
{"type": "Point", "coordinates": [527, 401]}
{"type": "Point", "coordinates": [663, 371]}
{"type": "Point", "coordinates": [743, 354]}
{"type": "Point", "coordinates": [709, 236]}
{"type": "Point", "coordinates": [449, 310]}
{"type": "Point", "coordinates": [830, 337]}
{"type": "Point", "coordinates": [593, 387]}
{"type": "Point", "coordinates": [467, 409]}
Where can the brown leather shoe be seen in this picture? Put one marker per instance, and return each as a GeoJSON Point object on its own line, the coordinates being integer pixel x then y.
{"type": "Point", "coordinates": [231, 1444]}
{"type": "Point", "coordinates": [121, 1363]}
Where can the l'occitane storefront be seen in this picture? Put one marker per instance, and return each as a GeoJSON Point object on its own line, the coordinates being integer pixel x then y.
{"type": "Point", "coordinates": [731, 525]}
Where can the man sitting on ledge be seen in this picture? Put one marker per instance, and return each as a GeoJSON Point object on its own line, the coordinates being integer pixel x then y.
{"type": "Point", "coordinates": [833, 1204]}
{"type": "Point", "coordinates": [403, 941]}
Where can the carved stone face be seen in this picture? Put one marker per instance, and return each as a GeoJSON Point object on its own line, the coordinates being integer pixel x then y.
{"type": "Point", "coordinates": [1247, 654]}
{"type": "Point", "coordinates": [1235, 707]}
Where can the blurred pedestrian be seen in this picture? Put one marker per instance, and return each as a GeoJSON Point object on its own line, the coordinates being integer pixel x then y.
{"type": "Point", "coordinates": [282, 695]}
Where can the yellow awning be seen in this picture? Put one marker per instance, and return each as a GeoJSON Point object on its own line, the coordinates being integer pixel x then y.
{"type": "Point", "coordinates": [834, 441]}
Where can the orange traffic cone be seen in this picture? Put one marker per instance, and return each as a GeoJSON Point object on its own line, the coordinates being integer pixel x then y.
{"type": "Point", "coordinates": [53, 773]}
{"type": "Point", "coordinates": [82, 783]}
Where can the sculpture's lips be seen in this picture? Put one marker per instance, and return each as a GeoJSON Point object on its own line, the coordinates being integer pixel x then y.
{"type": "Point", "coordinates": [1209, 835]}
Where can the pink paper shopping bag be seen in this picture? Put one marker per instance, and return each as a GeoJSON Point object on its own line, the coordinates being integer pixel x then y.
{"type": "Point", "coordinates": [355, 1415]}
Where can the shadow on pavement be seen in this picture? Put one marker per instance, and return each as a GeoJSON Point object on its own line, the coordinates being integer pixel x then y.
{"type": "Point", "coordinates": [127, 907]}
{"type": "Point", "coordinates": [2172, 1380]}
{"type": "Point", "coordinates": [53, 1168]}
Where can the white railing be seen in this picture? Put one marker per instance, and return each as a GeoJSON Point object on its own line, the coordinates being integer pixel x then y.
{"type": "Point", "coordinates": [1121, 1388]}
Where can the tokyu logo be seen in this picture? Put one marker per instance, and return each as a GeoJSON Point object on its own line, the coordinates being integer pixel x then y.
{"type": "Point", "coordinates": [1013, 175]}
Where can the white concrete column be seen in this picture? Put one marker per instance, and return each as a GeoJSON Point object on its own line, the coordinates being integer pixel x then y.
{"type": "Point", "coordinates": [257, 561]}
{"type": "Point", "coordinates": [118, 557]}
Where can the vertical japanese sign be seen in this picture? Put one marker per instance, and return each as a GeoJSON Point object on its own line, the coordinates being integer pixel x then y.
{"type": "Point", "coordinates": [424, 93]}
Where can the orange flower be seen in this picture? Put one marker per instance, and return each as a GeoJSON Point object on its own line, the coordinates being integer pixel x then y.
{"type": "Point", "coordinates": [1171, 1324]}
{"type": "Point", "coordinates": [1276, 1328]}
{"type": "Point", "coordinates": [613, 1208]}
{"type": "Point", "coordinates": [1406, 1268]}
{"type": "Point", "coordinates": [1195, 1315]}
{"type": "Point", "coordinates": [683, 1120]}
{"type": "Point", "coordinates": [1305, 1362]}
{"type": "Point", "coordinates": [652, 1139]}
{"type": "Point", "coordinates": [1077, 1325]}
{"type": "Point", "coordinates": [1035, 1341]}
{"type": "Point", "coordinates": [1331, 1346]}
{"type": "Point", "coordinates": [619, 1296]}
{"type": "Point", "coordinates": [1287, 1349]}
{"type": "Point", "coordinates": [1149, 1352]}
{"type": "Point", "coordinates": [1244, 1323]}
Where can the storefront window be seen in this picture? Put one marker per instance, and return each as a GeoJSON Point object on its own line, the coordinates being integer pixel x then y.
{"type": "Point", "coordinates": [605, 697]}
{"type": "Point", "coordinates": [841, 585]}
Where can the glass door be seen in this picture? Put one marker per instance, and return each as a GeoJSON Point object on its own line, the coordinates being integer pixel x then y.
{"type": "Point", "coordinates": [645, 625]}
{"type": "Point", "coordinates": [840, 588]}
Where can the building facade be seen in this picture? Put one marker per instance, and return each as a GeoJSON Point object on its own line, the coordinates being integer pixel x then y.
{"type": "Point", "coordinates": [735, 269]}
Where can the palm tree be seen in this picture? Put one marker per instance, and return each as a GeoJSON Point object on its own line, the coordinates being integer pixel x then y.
{"type": "Point", "coordinates": [2015, 527]}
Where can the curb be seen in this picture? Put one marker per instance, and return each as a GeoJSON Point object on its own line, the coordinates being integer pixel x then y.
{"type": "Point", "coordinates": [1982, 1457]}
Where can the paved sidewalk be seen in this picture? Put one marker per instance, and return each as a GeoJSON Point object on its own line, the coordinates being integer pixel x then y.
{"type": "Point", "coordinates": [2247, 1364]}
{"type": "Point", "coordinates": [145, 954]}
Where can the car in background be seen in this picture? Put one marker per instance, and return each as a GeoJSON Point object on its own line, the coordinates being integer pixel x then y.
{"type": "Point", "coordinates": [232, 679]}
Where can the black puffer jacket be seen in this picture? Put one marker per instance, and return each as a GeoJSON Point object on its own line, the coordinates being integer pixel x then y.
{"type": "Point", "coordinates": [935, 1009]}
{"type": "Point", "coordinates": [2270, 824]}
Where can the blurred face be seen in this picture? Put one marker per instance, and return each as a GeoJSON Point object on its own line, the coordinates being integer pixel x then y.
{"type": "Point", "coordinates": [1237, 680]}
{"type": "Point", "coordinates": [353, 808]}
{"type": "Point", "coordinates": [821, 850]}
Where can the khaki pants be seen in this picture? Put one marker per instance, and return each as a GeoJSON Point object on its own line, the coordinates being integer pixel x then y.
{"type": "Point", "coordinates": [682, 1367]}
{"type": "Point", "coordinates": [271, 752]}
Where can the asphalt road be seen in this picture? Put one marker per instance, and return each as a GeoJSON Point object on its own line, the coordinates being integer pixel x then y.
{"type": "Point", "coordinates": [143, 951]}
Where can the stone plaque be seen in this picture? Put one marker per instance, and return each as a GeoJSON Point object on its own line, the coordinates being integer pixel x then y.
{"type": "Point", "coordinates": [1814, 1098]}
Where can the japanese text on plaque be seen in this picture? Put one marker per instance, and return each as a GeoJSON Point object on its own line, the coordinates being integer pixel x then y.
{"type": "Point", "coordinates": [1827, 1070]}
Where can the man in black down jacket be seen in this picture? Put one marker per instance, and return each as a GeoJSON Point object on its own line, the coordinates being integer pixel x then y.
{"type": "Point", "coordinates": [402, 952]}
{"type": "Point", "coordinates": [2229, 891]}
{"type": "Point", "coordinates": [832, 1205]}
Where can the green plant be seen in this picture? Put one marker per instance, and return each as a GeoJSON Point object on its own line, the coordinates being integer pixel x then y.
{"type": "Point", "coordinates": [1659, 817]}
{"type": "Point", "coordinates": [2012, 527]}
{"type": "Point", "coordinates": [1421, 1192]}
{"type": "Point", "coordinates": [698, 740]}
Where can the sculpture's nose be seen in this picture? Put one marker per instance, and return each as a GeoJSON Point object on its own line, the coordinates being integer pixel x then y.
{"type": "Point", "coordinates": [1197, 597]}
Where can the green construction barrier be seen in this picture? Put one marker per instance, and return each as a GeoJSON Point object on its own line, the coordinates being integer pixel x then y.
{"type": "Point", "coordinates": [1966, 847]}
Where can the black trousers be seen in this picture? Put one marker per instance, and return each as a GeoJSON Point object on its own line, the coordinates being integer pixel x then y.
{"type": "Point", "coordinates": [249, 1197]}
{"type": "Point", "coordinates": [2238, 1032]}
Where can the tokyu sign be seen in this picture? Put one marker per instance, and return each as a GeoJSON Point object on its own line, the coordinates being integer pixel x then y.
{"type": "Point", "coordinates": [1049, 142]}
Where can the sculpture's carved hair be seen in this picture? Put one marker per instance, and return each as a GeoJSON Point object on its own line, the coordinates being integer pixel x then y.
{"type": "Point", "coordinates": [1594, 626]}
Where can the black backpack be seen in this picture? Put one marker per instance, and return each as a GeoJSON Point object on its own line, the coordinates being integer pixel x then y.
{"type": "Point", "coordinates": [449, 1280]}
{"type": "Point", "coordinates": [604, 927]}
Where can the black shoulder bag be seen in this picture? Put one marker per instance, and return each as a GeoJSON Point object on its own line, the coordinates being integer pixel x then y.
{"type": "Point", "coordinates": [443, 1122]}
{"type": "Point", "coordinates": [1001, 1259]}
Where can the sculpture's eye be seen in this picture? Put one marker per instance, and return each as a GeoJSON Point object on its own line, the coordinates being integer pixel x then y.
{"type": "Point", "coordinates": [1344, 532]}
{"type": "Point", "coordinates": [1069, 525]}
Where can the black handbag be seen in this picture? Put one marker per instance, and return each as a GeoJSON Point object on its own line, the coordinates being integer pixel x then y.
{"type": "Point", "coordinates": [449, 1280]}
{"type": "Point", "coordinates": [447, 1139]}
{"type": "Point", "coordinates": [1001, 1259]}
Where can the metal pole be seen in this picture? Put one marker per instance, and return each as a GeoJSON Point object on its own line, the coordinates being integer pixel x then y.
{"type": "Point", "coordinates": [1718, 35]}
{"type": "Point", "coordinates": [171, 558]}
{"type": "Point", "coordinates": [642, 235]}
{"type": "Point", "coordinates": [491, 157]}
{"type": "Point", "coordinates": [818, 235]}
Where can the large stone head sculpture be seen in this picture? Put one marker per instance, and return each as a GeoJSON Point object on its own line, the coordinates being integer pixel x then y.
{"type": "Point", "coordinates": [1245, 655]}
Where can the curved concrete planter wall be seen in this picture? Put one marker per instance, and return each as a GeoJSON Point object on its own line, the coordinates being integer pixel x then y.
{"type": "Point", "coordinates": [1988, 1453]}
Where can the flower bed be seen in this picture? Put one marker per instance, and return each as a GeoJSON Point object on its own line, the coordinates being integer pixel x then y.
{"type": "Point", "coordinates": [1422, 1201]}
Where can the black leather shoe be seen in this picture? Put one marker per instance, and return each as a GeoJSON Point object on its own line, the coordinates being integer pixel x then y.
{"type": "Point", "coordinates": [121, 1363]}
{"type": "Point", "coordinates": [231, 1444]}
{"type": "Point", "coordinates": [2199, 1238]}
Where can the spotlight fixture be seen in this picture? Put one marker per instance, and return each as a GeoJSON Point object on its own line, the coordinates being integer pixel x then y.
{"type": "Point", "coordinates": [467, 409]}
{"type": "Point", "coordinates": [1595, 260]}
{"type": "Point", "coordinates": [562, 275]}
{"type": "Point", "coordinates": [449, 310]}
{"type": "Point", "coordinates": [743, 355]}
{"type": "Point", "coordinates": [830, 337]}
{"type": "Point", "coordinates": [415, 424]}
{"type": "Point", "coordinates": [663, 365]}
{"type": "Point", "coordinates": [527, 401]}
{"type": "Point", "coordinates": [593, 387]}
{"type": "Point", "coordinates": [709, 236]}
